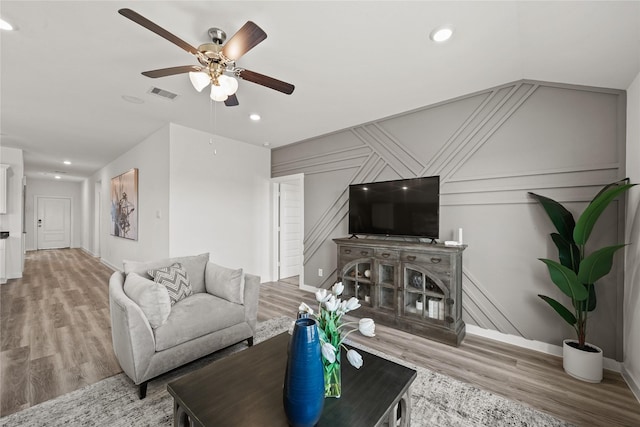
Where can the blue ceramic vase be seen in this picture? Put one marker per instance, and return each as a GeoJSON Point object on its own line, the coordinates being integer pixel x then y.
{"type": "Point", "coordinates": [303, 394]}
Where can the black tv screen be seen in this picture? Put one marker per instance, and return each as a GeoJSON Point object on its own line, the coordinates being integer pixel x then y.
{"type": "Point", "coordinates": [405, 207]}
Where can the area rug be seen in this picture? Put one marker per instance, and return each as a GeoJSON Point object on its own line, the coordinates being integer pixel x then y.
{"type": "Point", "coordinates": [437, 400]}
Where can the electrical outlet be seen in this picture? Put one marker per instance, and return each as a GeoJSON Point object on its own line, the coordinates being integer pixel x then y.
{"type": "Point", "coordinates": [319, 272]}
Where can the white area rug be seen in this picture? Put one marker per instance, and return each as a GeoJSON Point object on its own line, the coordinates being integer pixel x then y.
{"type": "Point", "coordinates": [438, 400]}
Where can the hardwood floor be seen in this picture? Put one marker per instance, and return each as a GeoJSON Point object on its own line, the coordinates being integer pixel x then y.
{"type": "Point", "coordinates": [55, 332]}
{"type": "Point", "coordinates": [56, 337]}
{"type": "Point", "coordinates": [531, 377]}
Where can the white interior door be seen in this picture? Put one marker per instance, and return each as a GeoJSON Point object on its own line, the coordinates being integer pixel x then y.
{"type": "Point", "coordinates": [290, 236]}
{"type": "Point", "coordinates": [53, 223]}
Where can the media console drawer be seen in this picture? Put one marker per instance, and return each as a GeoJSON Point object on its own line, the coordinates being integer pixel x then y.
{"type": "Point", "coordinates": [354, 252]}
{"type": "Point", "coordinates": [441, 259]}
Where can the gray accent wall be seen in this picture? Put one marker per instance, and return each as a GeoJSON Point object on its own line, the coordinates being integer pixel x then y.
{"type": "Point", "coordinates": [490, 148]}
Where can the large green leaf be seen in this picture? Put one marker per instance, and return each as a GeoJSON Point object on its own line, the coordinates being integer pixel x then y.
{"type": "Point", "coordinates": [560, 309]}
{"type": "Point", "coordinates": [608, 186]}
{"type": "Point", "coordinates": [566, 280]}
{"type": "Point", "coordinates": [568, 252]}
{"type": "Point", "coordinates": [588, 219]}
{"type": "Point", "coordinates": [559, 215]}
{"type": "Point", "coordinates": [598, 264]}
{"type": "Point", "coordinates": [588, 304]}
{"type": "Point", "coordinates": [592, 297]}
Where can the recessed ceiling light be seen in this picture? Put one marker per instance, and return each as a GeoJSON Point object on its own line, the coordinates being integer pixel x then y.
{"type": "Point", "coordinates": [67, 162]}
{"type": "Point", "coordinates": [4, 25]}
{"type": "Point", "coordinates": [133, 99]}
{"type": "Point", "coordinates": [255, 117]}
{"type": "Point", "coordinates": [441, 34]}
{"type": "Point", "coordinates": [57, 177]}
{"type": "Point", "coordinates": [266, 144]}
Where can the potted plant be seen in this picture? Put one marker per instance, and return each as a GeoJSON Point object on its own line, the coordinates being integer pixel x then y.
{"type": "Point", "coordinates": [576, 274]}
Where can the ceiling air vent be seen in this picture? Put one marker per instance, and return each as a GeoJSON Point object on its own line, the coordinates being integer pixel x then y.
{"type": "Point", "coordinates": [162, 93]}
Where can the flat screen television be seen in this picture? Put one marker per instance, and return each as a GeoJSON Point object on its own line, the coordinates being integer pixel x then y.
{"type": "Point", "coordinates": [405, 207]}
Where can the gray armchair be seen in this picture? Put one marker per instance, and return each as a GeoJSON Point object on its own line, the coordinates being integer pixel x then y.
{"type": "Point", "coordinates": [215, 316]}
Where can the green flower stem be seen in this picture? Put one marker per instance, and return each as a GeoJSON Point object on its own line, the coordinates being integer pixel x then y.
{"type": "Point", "coordinates": [345, 335]}
{"type": "Point", "coordinates": [333, 378]}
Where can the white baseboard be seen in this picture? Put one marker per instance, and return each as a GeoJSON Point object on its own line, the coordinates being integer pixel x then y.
{"type": "Point", "coordinates": [88, 252]}
{"type": "Point", "coordinates": [631, 381]}
{"type": "Point", "coordinates": [108, 264]}
{"type": "Point", "coordinates": [555, 350]}
{"type": "Point", "coordinates": [308, 288]}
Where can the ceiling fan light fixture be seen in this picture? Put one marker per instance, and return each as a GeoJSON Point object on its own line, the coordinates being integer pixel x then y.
{"type": "Point", "coordinates": [5, 25]}
{"type": "Point", "coordinates": [229, 84]}
{"type": "Point", "coordinates": [441, 34]}
{"type": "Point", "coordinates": [218, 93]}
{"type": "Point", "coordinates": [199, 80]}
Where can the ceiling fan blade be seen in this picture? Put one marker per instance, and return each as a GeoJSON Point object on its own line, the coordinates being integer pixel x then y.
{"type": "Point", "coordinates": [139, 19]}
{"type": "Point", "coordinates": [267, 81]}
{"type": "Point", "coordinates": [231, 101]}
{"type": "Point", "coordinates": [243, 41]}
{"type": "Point", "coordinates": [163, 72]}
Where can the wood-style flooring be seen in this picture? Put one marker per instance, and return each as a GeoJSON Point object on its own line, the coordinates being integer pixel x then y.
{"type": "Point", "coordinates": [533, 378]}
{"type": "Point", "coordinates": [55, 331]}
{"type": "Point", "coordinates": [56, 337]}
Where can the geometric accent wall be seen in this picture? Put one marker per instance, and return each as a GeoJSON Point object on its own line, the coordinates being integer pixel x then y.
{"type": "Point", "coordinates": [489, 148]}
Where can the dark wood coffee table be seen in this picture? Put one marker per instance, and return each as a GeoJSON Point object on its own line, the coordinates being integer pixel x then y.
{"type": "Point", "coordinates": [245, 389]}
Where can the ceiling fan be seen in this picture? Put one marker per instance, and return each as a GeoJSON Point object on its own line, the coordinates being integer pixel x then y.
{"type": "Point", "coordinates": [217, 60]}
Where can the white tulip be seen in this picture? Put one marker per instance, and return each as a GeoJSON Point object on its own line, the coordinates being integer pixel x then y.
{"type": "Point", "coordinates": [343, 308]}
{"type": "Point", "coordinates": [367, 327]}
{"type": "Point", "coordinates": [304, 308]}
{"type": "Point", "coordinates": [354, 358]}
{"type": "Point", "coordinates": [329, 352]}
{"type": "Point", "coordinates": [332, 304]}
{"type": "Point", "coordinates": [337, 289]}
{"type": "Point", "coordinates": [352, 304]}
{"type": "Point", "coordinates": [321, 295]}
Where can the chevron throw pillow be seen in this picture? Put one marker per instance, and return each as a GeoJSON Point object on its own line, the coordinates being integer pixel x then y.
{"type": "Point", "coordinates": [175, 279]}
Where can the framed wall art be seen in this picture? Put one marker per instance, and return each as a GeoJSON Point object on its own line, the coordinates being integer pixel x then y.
{"type": "Point", "coordinates": [124, 205]}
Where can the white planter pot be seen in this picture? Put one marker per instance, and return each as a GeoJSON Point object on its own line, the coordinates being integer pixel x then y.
{"type": "Point", "coordinates": [583, 365]}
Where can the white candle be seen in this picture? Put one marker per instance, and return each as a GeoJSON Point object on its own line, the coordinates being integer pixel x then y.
{"type": "Point", "coordinates": [460, 235]}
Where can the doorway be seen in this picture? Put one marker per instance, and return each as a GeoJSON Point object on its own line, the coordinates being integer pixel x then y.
{"type": "Point", "coordinates": [288, 234]}
{"type": "Point", "coordinates": [53, 222]}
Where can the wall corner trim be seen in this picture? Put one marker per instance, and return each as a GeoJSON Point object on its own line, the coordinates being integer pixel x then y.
{"type": "Point", "coordinates": [631, 382]}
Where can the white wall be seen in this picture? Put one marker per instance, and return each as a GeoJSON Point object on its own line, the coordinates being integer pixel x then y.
{"type": "Point", "coordinates": [151, 157]}
{"type": "Point", "coordinates": [12, 220]}
{"type": "Point", "coordinates": [85, 207]}
{"type": "Point", "coordinates": [49, 188]}
{"type": "Point", "coordinates": [220, 200]}
{"type": "Point", "coordinates": [631, 364]}
{"type": "Point", "coordinates": [190, 201]}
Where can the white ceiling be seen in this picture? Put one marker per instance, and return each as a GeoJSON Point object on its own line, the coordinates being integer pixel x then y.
{"type": "Point", "coordinates": [65, 70]}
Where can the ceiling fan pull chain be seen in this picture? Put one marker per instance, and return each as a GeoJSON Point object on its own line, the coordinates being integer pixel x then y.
{"type": "Point", "coordinates": [213, 121]}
